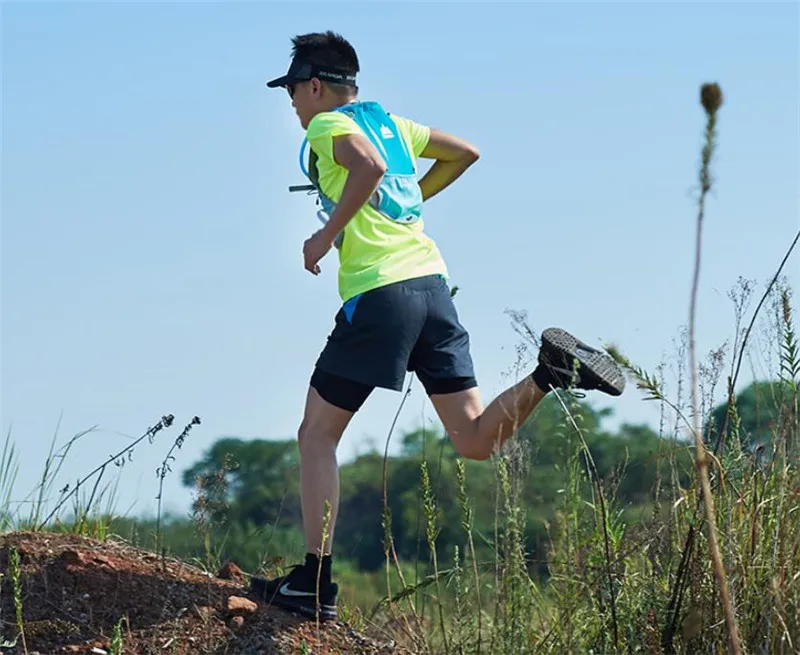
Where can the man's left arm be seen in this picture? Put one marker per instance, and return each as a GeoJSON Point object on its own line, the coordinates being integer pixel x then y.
{"type": "Point", "coordinates": [365, 168]}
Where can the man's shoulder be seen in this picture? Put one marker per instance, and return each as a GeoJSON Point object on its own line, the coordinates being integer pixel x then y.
{"type": "Point", "coordinates": [417, 134]}
{"type": "Point", "coordinates": [339, 117]}
{"type": "Point", "coordinates": [329, 123]}
{"type": "Point", "coordinates": [402, 119]}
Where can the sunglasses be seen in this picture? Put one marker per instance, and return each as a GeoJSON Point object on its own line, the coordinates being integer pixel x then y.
{"type": "Point", "coordinates": [291, 88]}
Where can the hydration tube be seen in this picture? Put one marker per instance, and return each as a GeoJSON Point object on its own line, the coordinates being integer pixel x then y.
{"type": "Point", "coordinates": [303, 168]}
{"type": "Point", "coordinates": [322, 215]}
{"type": "Point", "coordinates": [303, 187]}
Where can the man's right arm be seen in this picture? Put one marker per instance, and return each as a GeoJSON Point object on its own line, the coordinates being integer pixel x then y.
{"type": "Point", "coordinates": [453, 156]}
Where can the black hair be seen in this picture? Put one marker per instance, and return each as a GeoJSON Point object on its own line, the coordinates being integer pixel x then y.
{"type": "Point", "coordinates": [327, 48]}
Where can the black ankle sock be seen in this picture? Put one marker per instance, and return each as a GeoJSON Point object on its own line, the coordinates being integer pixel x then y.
{"type": "Point", "coordinates": [313, 566]}
{"type": "Point", "coordinates": [544, 377]}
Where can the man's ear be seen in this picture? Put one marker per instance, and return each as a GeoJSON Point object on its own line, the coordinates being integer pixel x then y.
{"type": "Point", "coordinates": [316, 86]}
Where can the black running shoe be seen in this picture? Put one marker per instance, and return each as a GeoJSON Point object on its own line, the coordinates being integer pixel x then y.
{"type": "Point", "coordinates": [595, 370]}
{"type": "Point", "coordinates": [297, 592]}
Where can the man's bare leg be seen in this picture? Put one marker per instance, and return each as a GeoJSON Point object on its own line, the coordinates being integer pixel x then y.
{"type": "Point", "coordinates": [476, 432]}
{"type": "Point", "coordinates": [306, 585]}
{"type": "Point", "coordinates": [319, 434]}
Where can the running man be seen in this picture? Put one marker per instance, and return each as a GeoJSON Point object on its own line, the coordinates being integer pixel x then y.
{"type": "Point", "coordinates": [397, 313]}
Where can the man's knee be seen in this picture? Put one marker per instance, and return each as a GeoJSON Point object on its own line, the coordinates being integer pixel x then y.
{"type": "Point", "coordinates": [472, 448]}
{"type": "Point", "coordinates": [460, 412]}
{"type": "Point", "coordinates": [315, 434]}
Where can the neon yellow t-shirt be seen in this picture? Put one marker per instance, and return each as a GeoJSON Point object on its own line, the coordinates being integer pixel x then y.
{"type": "Point", "coordinates": [376, 250]}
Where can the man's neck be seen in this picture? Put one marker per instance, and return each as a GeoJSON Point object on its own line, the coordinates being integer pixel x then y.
{"type": "Point", "coordinates": [340, 101]}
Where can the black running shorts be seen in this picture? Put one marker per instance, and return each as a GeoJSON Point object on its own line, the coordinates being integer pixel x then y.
{"type": "Point", "coordinates": [380, 335]}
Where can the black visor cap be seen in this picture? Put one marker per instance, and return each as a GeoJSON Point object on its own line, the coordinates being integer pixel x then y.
{"type": "Point", "coordinates": [300, 71]}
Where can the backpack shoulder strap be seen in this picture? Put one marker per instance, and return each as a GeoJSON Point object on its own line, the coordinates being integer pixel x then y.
{"type": "Point", "coordinates": [379, 127]}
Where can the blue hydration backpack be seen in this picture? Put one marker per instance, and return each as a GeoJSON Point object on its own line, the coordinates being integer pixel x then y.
{"type": "Point", "coordinates": [398, 196]}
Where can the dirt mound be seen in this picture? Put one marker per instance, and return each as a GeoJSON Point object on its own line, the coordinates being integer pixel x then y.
{"type": "Point", "coordinates": [75, 590]}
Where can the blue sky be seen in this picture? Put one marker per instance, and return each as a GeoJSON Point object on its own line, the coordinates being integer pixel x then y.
{"type": "Point", "coordinates": [151, 254]}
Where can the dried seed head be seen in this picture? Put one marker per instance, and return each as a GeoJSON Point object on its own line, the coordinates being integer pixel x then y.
{"type": "Point", "coordinates": [711, 97]}
{"type": "Point", "coordinates": [787, 308]}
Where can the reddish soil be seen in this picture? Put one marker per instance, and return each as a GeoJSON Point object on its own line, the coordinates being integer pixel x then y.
{"type": "Point", "coordinates": [75, 589]}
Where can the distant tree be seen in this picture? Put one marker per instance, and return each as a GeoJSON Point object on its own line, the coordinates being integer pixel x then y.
{"type": "Point", "coordinates": [759, 409]}
{"type": "Point", "coordinates": [255, 481]}
{"type": "Point", "coordinates": [415, 442]}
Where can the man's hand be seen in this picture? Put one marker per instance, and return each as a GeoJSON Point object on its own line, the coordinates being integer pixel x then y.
{"type": "Point", "coordinates": [314, 249]}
